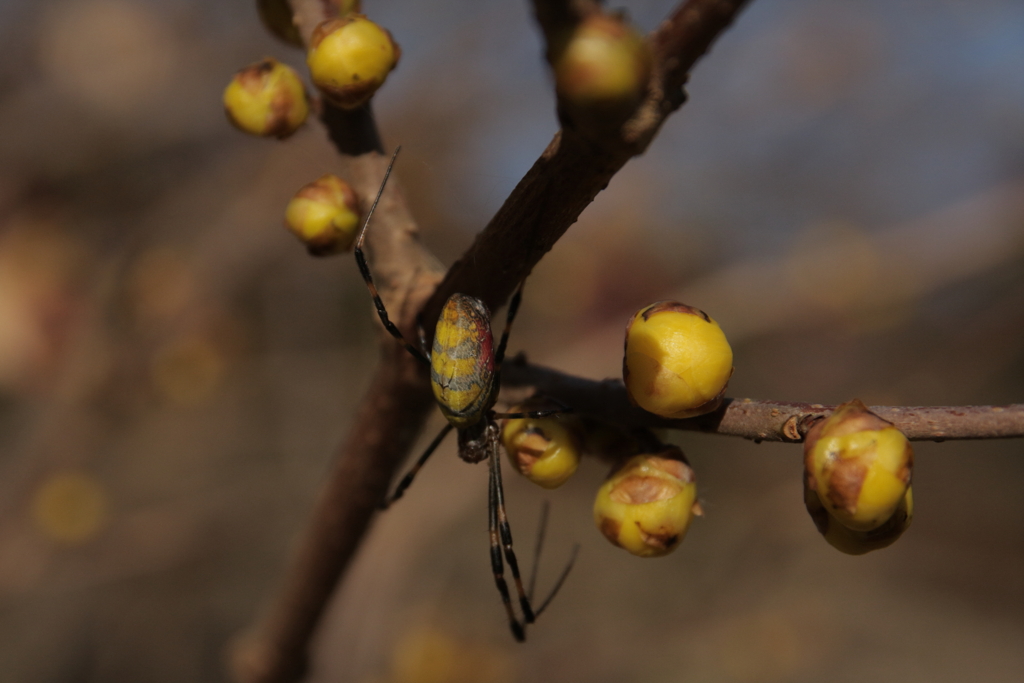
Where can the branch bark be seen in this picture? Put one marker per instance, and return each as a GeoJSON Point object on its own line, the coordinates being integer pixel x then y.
{"type": "Point", "coordinates": [760, 420]}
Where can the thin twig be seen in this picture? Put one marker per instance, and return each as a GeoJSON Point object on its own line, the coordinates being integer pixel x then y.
{"type": "Point", "coordinates": [761, 420]}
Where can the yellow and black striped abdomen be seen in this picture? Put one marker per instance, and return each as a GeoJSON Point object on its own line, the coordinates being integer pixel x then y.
{"type": "Point", "coordinates": [462, 361]}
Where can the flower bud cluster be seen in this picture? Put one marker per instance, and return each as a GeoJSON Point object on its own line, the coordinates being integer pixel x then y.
{"type": "Point", "coordinates": [349, 58]}
{"type": "Point", "coordinates": [857, 472]}
{"type": "Point", "coordinates": [648, 501]}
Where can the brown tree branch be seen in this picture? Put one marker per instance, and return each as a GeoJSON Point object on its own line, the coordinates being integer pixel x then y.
{"type": "Point", "coordinates": [573, 169]}
{"type": "Point", "coordinates": [761, 420]}
{"type": "Point", "coordinates": [353, 131]}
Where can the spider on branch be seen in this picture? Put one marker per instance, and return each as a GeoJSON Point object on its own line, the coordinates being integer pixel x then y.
{"type": "Point", "coordinates": [464, 374]}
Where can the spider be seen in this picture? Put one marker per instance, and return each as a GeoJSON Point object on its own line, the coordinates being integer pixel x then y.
{"type": "Point", "coordinates": [464, 375]}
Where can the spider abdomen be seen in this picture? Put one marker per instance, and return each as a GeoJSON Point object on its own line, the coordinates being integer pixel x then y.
{"type": "Point", "coordinates": [462, 361]}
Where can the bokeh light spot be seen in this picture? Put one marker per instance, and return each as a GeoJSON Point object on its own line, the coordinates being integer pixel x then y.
{"type": "Point", "coordinates": [188, 370]}
{"type": "Point", "coordinates": [70, 507]}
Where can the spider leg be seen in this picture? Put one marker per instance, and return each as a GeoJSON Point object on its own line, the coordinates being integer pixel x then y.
{"type": "Point", "coordinates": [368, 278]}
{"type": "Point", "coordinates": [561, 579]}
{"type": "Point", "coordinates": [422, 333]}
{"type": "Point", "coordinates": [533, 414]}
{"type": "Point", "coordinates": [542, 528]}
{"type": "Point", "coordinates": [513, 308]}
{"type": "Point", "coordinates": [497, 566]}
{"type": "Point", "coordinates": [506, 532]}
{"type": "Point", "coordinates": [411, 474]}
{"type": "Point", "coordinates": [541, 533]}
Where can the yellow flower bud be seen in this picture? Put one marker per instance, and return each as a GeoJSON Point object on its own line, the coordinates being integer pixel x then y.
{"type": "Point", "coordinates": [859, 465]}
{"type": "Point", "coordinates": [324, 215]}
{"type": "Point", "coordinates": [647, 506]}
{"type": "Point", "coordinates": [544, 450]}
{"type": "Point", "coordinates": [604, 63]}
{"type": "Point", "coordinates": [677, 361]}
{"type": "Point", "coordinates": [852, 541]}
{"type": "Point", "coordinates": [267, 99]}
{"type": "Point", "coordinates": [349, 58]}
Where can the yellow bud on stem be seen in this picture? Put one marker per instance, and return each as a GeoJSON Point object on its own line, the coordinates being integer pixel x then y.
{"type": "Point", "coordinates": [859, 465]}
{"type": "Point", "coordinates": [855, 542]}
{"type": "Point", "coordinates": [604, 63]}
{"type": "Point", "coordinates": [677, 361]}
{"type": "Point", "coordinates": [647, 505]}
{"type": "Point", "coordinates": [324, 215]}
{"type": "Point", "coordinates": [267, 99]}
{"type": "Point", "coordinates": [544, 450]}
{"type": "Point", "coordinates": [349, 59]}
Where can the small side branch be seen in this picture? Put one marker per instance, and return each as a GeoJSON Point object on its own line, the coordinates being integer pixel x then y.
{"type": "Point", "coordinates": [572, 170]}
{"type": "Point", "coordinates": [760, 420]}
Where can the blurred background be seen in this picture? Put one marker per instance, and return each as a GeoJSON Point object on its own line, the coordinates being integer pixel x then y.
{"type": "Point", "coordinates": [844, 193]}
